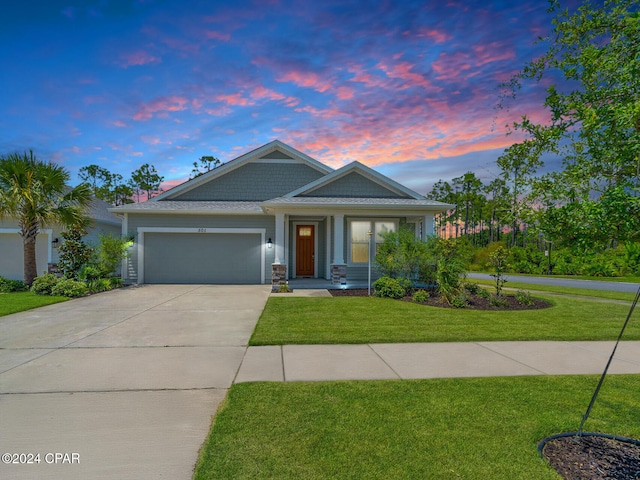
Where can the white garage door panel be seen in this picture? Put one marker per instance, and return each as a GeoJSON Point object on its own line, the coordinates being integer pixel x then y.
{"type": "Point", "coordinates": [221, 258]}
{"type": "Point", "coordinates": [12, 258]}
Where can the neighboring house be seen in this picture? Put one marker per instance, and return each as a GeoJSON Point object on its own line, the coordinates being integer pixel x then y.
{"type": "Point", "coordinates": [267, 210]}
{"type": "Point", "coordinates": [48, 241]}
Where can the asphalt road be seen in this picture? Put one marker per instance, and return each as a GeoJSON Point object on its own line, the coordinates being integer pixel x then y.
{"type": "Point", "coordinates": [566, 282]}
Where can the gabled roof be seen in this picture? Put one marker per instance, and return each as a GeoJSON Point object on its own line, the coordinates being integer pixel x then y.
{"type": "Point", "coordinates": [267, 152]}
{"type": "Point", "coordinates": [356, 167]}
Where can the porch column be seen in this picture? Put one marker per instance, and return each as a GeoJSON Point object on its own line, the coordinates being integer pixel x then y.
{"type": "Point", "coordinates": [279, 240]}
{"type": "Point", "coordinates": [338, 267]}
{"type": "Point", "coordinates": [338, 239]}
{"type": "Point", "coordinates": [428, 227]}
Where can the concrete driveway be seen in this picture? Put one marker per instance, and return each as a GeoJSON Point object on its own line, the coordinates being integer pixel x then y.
{"type": "Point", "coordinates": [123, 384]}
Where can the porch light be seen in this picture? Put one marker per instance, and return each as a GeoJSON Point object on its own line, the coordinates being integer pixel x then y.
{"type": "Point", "coordinates": [55, 242]}
{"type": "Point", "coordinates": [269, 243]}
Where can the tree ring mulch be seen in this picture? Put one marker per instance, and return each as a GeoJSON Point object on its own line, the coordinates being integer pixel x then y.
{"type": "Point", "coordinates": [475, 302]}
{"type": "Point", "coordinates": [592, 456]}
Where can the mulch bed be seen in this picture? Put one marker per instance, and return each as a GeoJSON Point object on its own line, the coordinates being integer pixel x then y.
{"type": "Point", "coordinates": [475, 302]}
{"type": "Point", "coordinates": [593, 458]}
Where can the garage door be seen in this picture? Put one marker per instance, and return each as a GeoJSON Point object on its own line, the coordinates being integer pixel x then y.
{"type": "Point", "coordinates": [12, 257]}
{"type": "Point", "coordinates": [220, 258]}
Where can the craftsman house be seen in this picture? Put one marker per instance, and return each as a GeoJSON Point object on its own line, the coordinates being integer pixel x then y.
{"type": "Point", "coordinates": [273, 209]}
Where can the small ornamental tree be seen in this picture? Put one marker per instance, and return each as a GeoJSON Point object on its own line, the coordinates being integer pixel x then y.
{"type": "Point", "coordinates": [110, 253]}
{"type": "Point", "coordinates": [498, 260]}
{"type": "Point", "coordinates": [74, 252]}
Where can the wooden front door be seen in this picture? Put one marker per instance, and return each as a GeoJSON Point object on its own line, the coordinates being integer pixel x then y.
{"type": "Point", "coordinates": [305, 250]}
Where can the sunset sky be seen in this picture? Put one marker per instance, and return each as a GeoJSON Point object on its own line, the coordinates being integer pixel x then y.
{"type": "Point", "coordinates": [406, 87]}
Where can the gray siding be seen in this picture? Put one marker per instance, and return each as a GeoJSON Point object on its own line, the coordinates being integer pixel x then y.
{"type": "Point", "coordinates": [97, 229]}
{"type": "Point", "coordinates": [254, 182]}
{"type": "Point", "coordinates": [353, 185]}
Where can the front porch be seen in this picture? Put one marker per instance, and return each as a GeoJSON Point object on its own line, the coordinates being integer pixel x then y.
{"type": "Point", "coordinates": [321, 283]}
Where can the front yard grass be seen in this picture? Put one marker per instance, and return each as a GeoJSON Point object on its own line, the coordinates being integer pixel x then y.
{"type": "Point", "coordinates": [584, 292]}
{"type": "Point", "coordinates": [335, 320]}
{"type": "Point", "coordinates": [411, 429]}
{"type": "Point", "coordinates": [21, 301]}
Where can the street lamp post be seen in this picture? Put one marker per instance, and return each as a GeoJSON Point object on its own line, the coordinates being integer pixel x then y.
{"type": "Point", "coordinates": [547, 251]}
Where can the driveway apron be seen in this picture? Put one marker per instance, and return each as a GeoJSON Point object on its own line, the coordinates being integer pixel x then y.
{"type": "Point", "coordinates": [122, 384]}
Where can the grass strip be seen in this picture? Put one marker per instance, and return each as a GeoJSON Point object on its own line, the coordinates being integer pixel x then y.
{"type": "Point", "coordinates": [351, 320]}
{"type": "Point", "coordinates": [20, 301]}
{"type": "Point", "coordinates": [606, 294]}
{"type": "Point", "coordinates": [418, 429]}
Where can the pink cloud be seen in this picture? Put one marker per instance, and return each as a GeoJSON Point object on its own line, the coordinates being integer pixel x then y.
{"type": "Point", "coordinates": [492, 52]}
{"type": "Point", "coordinates": [438, 36]}
{"type": "Point", "coordinates": [119, 124]}
{"type": "Point", "coordinates": [261, 92]}
{"type": "Point", "coordinates": [403, 71]}
{"type": "Point", "coordinates": [161, 107]}
{"type": "Point", "coordinates": [305, 79]}
{"type": "Point", "coordinates": [152, 140]}
{"type": "Point", "coordinates": [215, 35]}
{"type": "Point", "coordinates": [344, 93]}
{"type": "Point", "coordinates": [138, 58]}
{"type": "Point", "coordinates": [235, 99]}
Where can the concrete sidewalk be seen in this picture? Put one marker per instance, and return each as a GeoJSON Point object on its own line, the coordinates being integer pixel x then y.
{"type": "Point", "coordinates": [291, 363]}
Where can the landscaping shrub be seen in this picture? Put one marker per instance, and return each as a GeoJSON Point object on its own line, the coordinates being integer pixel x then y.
{"type": "Point", "coordinates": [99, 285]}
{"type": "Point", "coordinates": [403, 256]}
{"type": "Point", "coordinates": [632, 257]}
{"type": "Point", "coordinates": [480, 257]}
{"type": "Point", "coordinates": [9, 286]}
{"type": "Point", "coordinates": [472, 288]}
{"type": "Point", "coordinates": [527, 260]}
{"type": "Point", "coordinates": [43, 284]}
{"type": "Point", "coordinates": [89, 273]}
{"type": "Point", "coordinates": [524, 298]}
{"type": "Point", "coordinates": [498, 301]}
{"type": "Point", "coordinates": [67, 287]}
{"type": "Point", "coordinates": [451, 269]}
{"type": "Point", "coordinates": [387, 287]}
{"type": "Point", "coordinates": [483, 293]}
{"type": "Point", "coordinates": [420, 296]}
{"type": "Point", "coordinates": [460, 301]}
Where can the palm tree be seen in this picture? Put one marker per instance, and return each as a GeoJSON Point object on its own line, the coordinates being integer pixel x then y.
{"type": "Point", "coordinates": [36, 194]}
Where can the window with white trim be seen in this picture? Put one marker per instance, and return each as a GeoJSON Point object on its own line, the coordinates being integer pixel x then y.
{"type": "Point", "coordinates": [359, 237]}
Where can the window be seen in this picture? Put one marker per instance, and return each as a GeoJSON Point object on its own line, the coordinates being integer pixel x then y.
{"type": "Point", "coordinates": [359, 231]}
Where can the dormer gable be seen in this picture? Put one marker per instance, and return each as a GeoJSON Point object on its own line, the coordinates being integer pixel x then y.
{"type": "Point", "coordinates": [355, 180]}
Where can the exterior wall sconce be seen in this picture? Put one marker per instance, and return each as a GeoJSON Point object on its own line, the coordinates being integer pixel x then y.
{"type": "Point", "coordinates": [269, 243]}
{"type": "Point", "coordinates": [55, 242]}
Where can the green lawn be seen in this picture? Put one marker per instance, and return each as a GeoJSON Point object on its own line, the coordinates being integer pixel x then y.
{"type": "Point", "coordinates": [300, 320]}
{"type": "Point", "coordinates": [20, 301]}
{"type": "Point", "coordinates": [628, 297]}
{"type": "Point", "coordinates": [422, 429]}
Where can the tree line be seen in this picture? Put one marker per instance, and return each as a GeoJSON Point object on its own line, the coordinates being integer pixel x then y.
{"type": "Point", "coordinates": [144, 183]}
{"type": "Point", "coordinates": [590, 73]}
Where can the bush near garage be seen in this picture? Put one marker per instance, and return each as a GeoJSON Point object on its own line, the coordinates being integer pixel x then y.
{"type": "Point", "coordinates": [9, 286]}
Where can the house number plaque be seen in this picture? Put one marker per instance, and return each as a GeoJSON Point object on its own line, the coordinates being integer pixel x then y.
{"type": "Point", "coordinates": [202, 230]}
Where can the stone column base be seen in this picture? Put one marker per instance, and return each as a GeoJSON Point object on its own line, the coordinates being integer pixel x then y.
{"type": "Point", "coordinates": [278, 275]}
{"type": "Point", "coordinates": [338, 274]}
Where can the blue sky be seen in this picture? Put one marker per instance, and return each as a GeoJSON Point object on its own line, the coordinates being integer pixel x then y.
{"type": "Point", "coordinates": [406, 87]}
